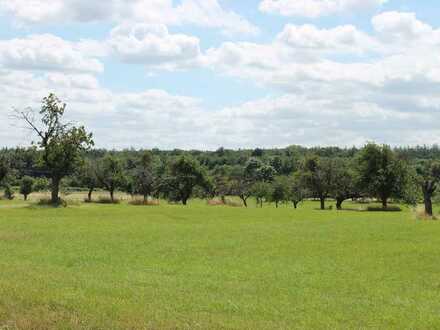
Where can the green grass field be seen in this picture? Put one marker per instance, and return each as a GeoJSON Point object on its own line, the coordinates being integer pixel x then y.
{"type": "Point", "coordinates": [203, 267]}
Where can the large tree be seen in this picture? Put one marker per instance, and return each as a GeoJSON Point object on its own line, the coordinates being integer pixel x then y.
{"type": "Point", "coordinates": [62, 144]}
{"type": "Point", "coordinates": [381, 174]}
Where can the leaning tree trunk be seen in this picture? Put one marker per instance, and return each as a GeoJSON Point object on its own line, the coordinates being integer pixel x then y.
{"type": "Point", "coordinates": [244, 199]}
{"type": "Point", "coordinates": [339, 201]}
{"type": "Point", "coordinates": [55, 190]}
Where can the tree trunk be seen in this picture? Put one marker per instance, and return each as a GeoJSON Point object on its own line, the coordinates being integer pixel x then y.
{"type": "Point", "coordinates": [112, 195]}
{"type": "Point", "coordinates": [223, 198]}
{"type": "Point", "coordinates": [339, 202]}
{"type": "Point", "coordinates": [244, 201]}
{"type": "Point", "coordinates": [25, 197]}
{"type": "Point", "coordinates": [428, 205]}
{"type": "Point", "coordinates": [184, 201]}
{"type": "Point", "coordinates": [295, 204]}
{"type": "Point", "coordinates": [145, 198]}
{"type": "Point", "coordinates": [55, 199]}
{"type": "Point", "coordinates": [384, 203]}
{"type": "Point", "coordinates": [276, 204]}
{"type": "Point", "coordinates": [261, 202]}
{"type": "Point", "coordinates": [89, 195]}
{"type": "Point", "coordinates": [322, 200]}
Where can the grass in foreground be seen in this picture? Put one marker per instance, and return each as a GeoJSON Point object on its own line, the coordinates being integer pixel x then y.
{"type": "Point", "coordinates": [201, 267]}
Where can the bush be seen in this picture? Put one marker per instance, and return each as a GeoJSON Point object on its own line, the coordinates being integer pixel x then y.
{"type": "Point", "coordinates": [48, 202]}
{"type": "Point", "coordinates": [141, 202]}
{"type": "Point", "coordinates": [9, 193]}
{"type": "Point", "coordinates": [381, 209]}
{"type": "Point", "coordinates": [107, 200]}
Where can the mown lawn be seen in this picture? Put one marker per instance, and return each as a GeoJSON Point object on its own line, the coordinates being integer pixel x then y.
{"type": "Point", "coordinates": [202, 267]}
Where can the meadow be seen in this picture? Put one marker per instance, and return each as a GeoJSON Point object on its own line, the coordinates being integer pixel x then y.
{"type": "Point", "coordinates": [216, 267]}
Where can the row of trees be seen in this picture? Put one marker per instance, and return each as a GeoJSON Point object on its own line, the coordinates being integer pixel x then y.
{"type": "Point", "coordinates": [64, 151]}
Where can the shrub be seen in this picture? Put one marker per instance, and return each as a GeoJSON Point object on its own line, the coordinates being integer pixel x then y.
{"type": "Point", "coordinates": [9, 192]}
{"type": "Point", "coordinates": [381, 209]}
{"type": "Point", "coordinates": [108, 200]}
{"type": "Point", "coordinates": [48, 202]}
{"type": "Point", "coordinates": [141, 202]}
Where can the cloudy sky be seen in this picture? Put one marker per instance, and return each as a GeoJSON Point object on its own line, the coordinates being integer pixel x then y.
{"type": "Point", "coordinates": [233, 73]}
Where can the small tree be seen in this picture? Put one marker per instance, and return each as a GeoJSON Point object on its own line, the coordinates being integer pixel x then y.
{"type": "Point", "coordinates": [381, 174]}
{"type": "Point", "coordinates": [143, 178]}
{"type": "Point", "coordinates": [110, 174]}
{"type": "Point", "coordinates": [61, 143]}
{"type": "Point", "coordinates": [343, 183]}
{"type": "Point", "coordinates": [9, 192]}
{"type": "Point", "coordinates": [88, 177]}
{"type": "Point", "coordinates": [261, 191]}
{"type": "Point", "coordinates": [184, 175]}
{"type": "Point", "coordinates": [279, 191]}
{"type": "Point", "coordinates": [296, 192]}
{"type": "Point", "coordinates": [317, 175]}
{"type": "Point", "coordinates": [26, 186]}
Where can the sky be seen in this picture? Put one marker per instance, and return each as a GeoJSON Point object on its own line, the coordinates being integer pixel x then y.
{"type": "Point", "coordinates": [204, 74]}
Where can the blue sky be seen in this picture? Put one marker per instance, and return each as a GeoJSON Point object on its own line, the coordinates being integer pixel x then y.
{"type": "Point", "coordinates": [211, 73]}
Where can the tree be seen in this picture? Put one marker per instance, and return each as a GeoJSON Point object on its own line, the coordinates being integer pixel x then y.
{"type": "Point", "coordinates": [110, 174]}
{"type": "Point", "coordinates": [317, 176]}
{"type": "Point", "coordinates": [261, 191]}
{"type": "Point", "coordinates": [143, 178]}
{"type": "Point", "coordinates": [428, 179]}
{"type": "Point", "coordinates": [4, 169]}
{"type": "Point", "coordinates": [62, 144]}
{"type": "Point", "coordinates": [343, 183]}
{"type": "Point", "coordinates": [26, 186]}
{"type": "Point", "coordinates": [279, 191]}
{"type": "Point", "coordinates": [296, 192]}
{"type": "Point", "coordinates": [380, 173]}
{"type": "Point", "coordinates": [185, 173]}
{"type": "Point", "coordinates": [88, 177]}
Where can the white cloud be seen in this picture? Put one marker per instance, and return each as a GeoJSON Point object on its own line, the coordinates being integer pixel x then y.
{"type": "Point", "coordinates": [317, 8]}
{"type": "Point", "coordinates": [45, 52]}
{"type": "Point", "coordinates": [153, 46]}
{"type": "Point", "coordinates": [203, 13]}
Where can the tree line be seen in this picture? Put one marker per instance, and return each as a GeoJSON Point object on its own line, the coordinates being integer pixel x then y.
{"type": "Point", "coordinates": [63, 155]}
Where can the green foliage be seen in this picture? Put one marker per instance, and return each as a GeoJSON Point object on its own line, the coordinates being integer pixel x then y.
{"type": "Point", "coordinates": [279, 190]}
{"type": "Point", "coordinates": [184, 174]}
{"type": "Point", "coordinates": [381, 174]}
{"type": "Point", "coordinates": [317, 175]}
{"type": "Point", "coordinates": [26, 186]}
{"type": "Point", "coordinates": [9, 192]}
{"type": "Point", "coordinates": [110, 174]}
{"type": "Point", "coordinates": [62, 144]}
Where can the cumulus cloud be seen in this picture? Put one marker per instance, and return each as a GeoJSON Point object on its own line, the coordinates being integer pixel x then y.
{"type": "Point", "coordinates": [317, 8]}
{"type": "Point", "coordinates": [46, 52]}
{"type": "Point", "coordinates": [204, 13]}
{"type": "Point", "coordinates": [154, 46]}
{"type": "Point", "coordinates": [337, 85]}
